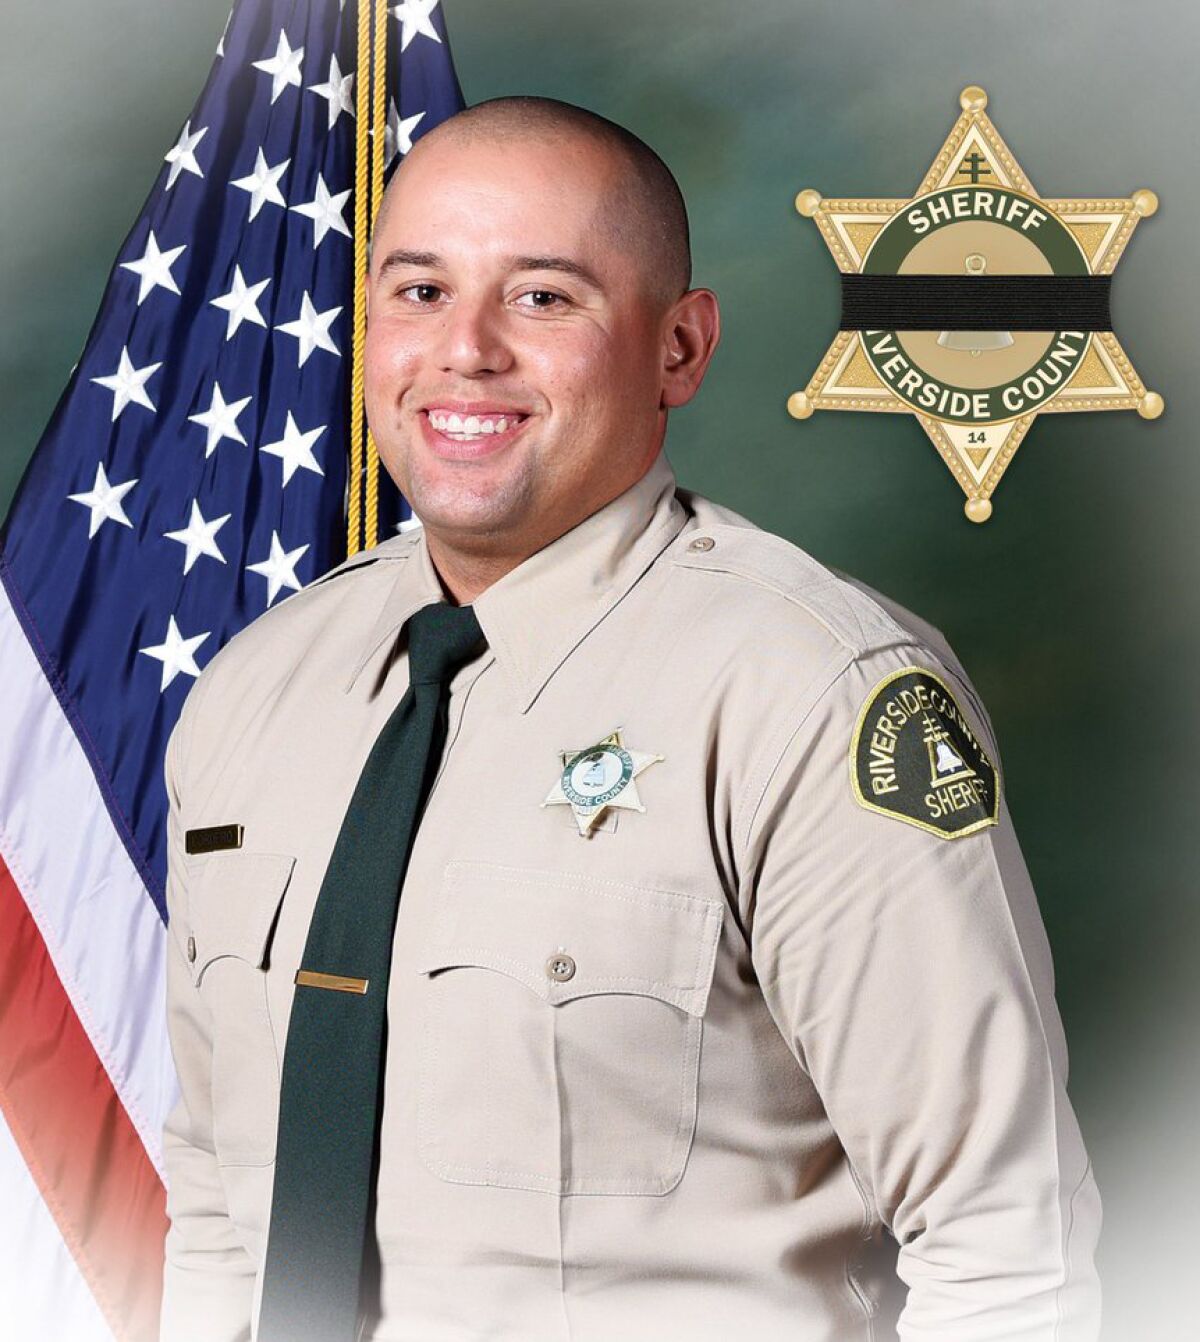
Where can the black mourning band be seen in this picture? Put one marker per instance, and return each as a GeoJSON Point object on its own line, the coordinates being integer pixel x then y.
{"type": "Point", "coordinates": [976, 303]}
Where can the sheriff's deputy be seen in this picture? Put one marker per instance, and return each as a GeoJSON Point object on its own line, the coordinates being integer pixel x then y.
{"type": "Point", "coordinates": [592, 918]}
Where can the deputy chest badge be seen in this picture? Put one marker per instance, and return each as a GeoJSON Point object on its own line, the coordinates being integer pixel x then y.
{"type": "Point", "coordinates": [915, 757]}
{"type": "Point", "coordinates": [602, 775]}
{"type": "Point", "coordinates": [976, 305]}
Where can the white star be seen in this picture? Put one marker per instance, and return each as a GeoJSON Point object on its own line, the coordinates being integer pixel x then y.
{"type": "Point", "coordinates": [224, 34]}
{"type": "Point", "coordinates": [176, 654]}
{"type": "Point", "coordinates": [311, 329]}
{"type": "Point", "coordinates": [198, 536]}
{"type": "Point", "coordinates": [241, 302]}
{"type": "Point", "coordinates": [397, 134]}
{"type": "Point", "coordinates": [128, 383]}
{"type": "Point", "coordinates": [104, 501]}
{"type": "Point", "coordinates": [326, 212]}
{"type": "Point", "coordinates": [262, 184]}
{"type": "Point", "coordinates": [220, 419]}
{"type": "Point", "coordinates": [283, 67]}
{"type": "Point", "coordinates": [182, 154]}
{"type": "Point", "coordinates": [336, 92]}
{"type": "Point", "coordinates": [279, 569]}
{"type": "Point", "coordinates": [295, 449]}
{"type": "Point", "coordinates": [154, 268]}
{"type": "Point", "coordinates": [414, 19]}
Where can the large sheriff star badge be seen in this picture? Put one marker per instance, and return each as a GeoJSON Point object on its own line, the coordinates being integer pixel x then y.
{"type": "Point", "coordinates": [976, 305]}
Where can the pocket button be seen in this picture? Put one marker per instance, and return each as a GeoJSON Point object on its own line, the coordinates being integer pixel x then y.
{"type": "Point", "coordinates": [560, 967]}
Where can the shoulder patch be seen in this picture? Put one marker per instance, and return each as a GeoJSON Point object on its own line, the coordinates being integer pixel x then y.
{"type": "Point", "coordinates": [914, 756]}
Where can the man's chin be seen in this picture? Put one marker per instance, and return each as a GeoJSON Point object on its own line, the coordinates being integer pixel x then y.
{"type": "Point", "coordinates": [470, 517]}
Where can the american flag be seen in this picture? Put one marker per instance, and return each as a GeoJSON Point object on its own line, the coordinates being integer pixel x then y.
{"type": "Point", "coordinates": [193, 474]}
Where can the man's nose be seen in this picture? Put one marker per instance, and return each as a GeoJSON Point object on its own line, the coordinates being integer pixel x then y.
{"type": "Point", "coordinates": [473, 339]}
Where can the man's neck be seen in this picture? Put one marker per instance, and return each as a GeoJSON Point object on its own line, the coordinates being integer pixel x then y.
{"type": "Point", "coordinates": [465, 576]}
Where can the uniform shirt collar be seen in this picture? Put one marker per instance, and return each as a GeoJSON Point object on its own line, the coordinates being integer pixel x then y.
{"type": "Point", "coordinates": [537, 614]}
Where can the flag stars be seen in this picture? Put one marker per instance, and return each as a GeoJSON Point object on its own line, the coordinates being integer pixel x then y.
{"type": "Point", "coordinates": [336, 92]}
{"type": "Point", "coordinates": [294, 449]}
{"type": "Point", "coordinates": [176, 653]}
{"type": "Point", "coordinates": [153, 269]}
{"type": "Point", "coordinates": [128, 384]}
{"type": "Point", "coordinates": [311, 329]}
{"type": "Point", "coordinates": [198, 537]}
{"type": "Point", "coordinates": [182, 154]}
{"type": "Point", "coordinates": [325, 211]}
{"type": "Point", "coordinates": [397, 134]}
{"type": "Point", "coordinates": [279, 568]}
{"type": "Point", "coordinates": [283, 67]}
{"type": "Point", "coordinates": [263, 184]}
{"type": "Point", "coordinates": [415, 21]}
{"type": "Point", "coordinates": [220, 419]}
{"type": "Point", "coordinates": [241, 302]}
{"type": "Point", "coordinates": [103, 501]}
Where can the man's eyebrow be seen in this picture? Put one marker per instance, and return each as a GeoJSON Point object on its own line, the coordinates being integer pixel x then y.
{"type": "Point", "coordinates": [393, 260]}
{"type": "Point", "coordinates": [559, 263]}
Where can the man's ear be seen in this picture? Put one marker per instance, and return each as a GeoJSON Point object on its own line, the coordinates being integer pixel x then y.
{"type": "Point", "coordinates": [691, 331]}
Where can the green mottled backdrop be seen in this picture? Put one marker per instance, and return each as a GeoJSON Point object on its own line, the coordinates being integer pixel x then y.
{"type": "Point", "coordinates": [1074, 608]}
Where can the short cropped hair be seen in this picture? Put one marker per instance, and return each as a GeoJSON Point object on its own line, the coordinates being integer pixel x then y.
{"type": "Point", "coordinates": [647, 213]}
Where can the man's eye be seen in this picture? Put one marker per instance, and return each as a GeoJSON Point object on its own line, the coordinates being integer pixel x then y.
{"type": "Point", "coordinates": [542, 299]}
{"type": "Point", "coordinates": [421, 293]}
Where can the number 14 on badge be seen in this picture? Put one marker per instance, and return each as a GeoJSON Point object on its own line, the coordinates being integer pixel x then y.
{"type": "Point", "coordinates": [976, 305]}
{"type": "Point", "coordinates": [599, 777]}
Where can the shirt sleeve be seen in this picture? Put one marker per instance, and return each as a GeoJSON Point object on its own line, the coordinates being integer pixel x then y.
{"type": "Point", "coordinates": [208, 1279]}
{"type": "Point", "coordinates": [911, 976]}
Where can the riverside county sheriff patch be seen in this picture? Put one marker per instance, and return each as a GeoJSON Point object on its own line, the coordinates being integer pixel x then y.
{"type": "Point", "coordinates": [914, 756]}
{"type": "Point", "coordinates": [600, 776]}
{"type": "Point", "coordinates": [976, 305]}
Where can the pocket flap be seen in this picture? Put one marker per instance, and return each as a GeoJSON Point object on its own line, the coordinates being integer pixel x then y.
{"type": "Point", "coordinates": [601, 936]}
{"type": "Point", "coordinates": [233, 898]}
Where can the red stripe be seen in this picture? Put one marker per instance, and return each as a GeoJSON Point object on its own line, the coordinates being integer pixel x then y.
{"type": "Point", "coordinates": [72, 1129]}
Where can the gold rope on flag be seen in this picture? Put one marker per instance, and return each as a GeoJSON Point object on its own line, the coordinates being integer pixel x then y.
{"type": "Point", "coordinates": [370, 154]}
{"type": "Point", "coordinates": [379, 141]}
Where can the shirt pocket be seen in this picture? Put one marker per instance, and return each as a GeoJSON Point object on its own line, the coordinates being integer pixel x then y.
{"type": "Point", "coordinates": [561, 1029]}
{"type": "Point", "coordinates": [233, 902]}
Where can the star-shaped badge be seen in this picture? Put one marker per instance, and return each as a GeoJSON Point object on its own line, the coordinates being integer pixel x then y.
{"type": "Point", "coordinates": [976, 305]}
{"type": "Point", "coordinates": [598, 777]}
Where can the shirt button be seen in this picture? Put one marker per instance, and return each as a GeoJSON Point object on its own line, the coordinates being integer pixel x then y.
{"type": "Point", "coordinates": [702, 543]}
{"type": "Point", "coordinates": [191, 950]}
{"type": "Point", "coordinates": [560, 967]}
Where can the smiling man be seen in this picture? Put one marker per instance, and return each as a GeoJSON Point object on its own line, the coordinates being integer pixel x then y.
{"type": "Point", "coordinates": [591, 918]}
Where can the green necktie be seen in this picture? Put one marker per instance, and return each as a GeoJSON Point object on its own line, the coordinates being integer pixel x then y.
{"type": "Point", "coordinates": [332, 1083]}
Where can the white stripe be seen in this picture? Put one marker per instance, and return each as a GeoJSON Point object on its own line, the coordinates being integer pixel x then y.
{"type": "Point", "coordinates": [103, 933]}
{"type": "Point", "coordinates": [42, 1293]}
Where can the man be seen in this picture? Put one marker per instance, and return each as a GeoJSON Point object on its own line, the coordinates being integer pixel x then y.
{"type": "Point", "coordinates": [716, 965]}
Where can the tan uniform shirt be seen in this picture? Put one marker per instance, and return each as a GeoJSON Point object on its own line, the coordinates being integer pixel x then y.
{"type": "Point", "coordinates": [789, 1020]}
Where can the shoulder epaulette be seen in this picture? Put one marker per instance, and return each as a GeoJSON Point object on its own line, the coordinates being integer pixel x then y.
{"type": "Point", "coordinates": [770, 561]}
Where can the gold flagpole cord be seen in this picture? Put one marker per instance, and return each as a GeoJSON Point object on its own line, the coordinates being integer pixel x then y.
{"type": "Point", "coordinates": [362, 186]}
{"type": "Point", "coordinates": [379, 156]}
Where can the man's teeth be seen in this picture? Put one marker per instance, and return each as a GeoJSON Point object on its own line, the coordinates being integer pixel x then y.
{"type": "Point", "coordinates": [465, 427]}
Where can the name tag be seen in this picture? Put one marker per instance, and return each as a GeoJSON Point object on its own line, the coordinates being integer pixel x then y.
{"type": "Point", "coordinates": [212, 839]}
